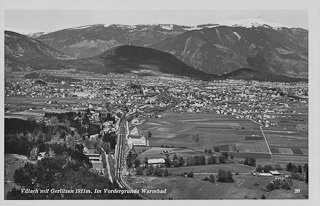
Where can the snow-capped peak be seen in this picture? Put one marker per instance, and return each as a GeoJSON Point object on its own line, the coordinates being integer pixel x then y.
{"type": "Point", "coordinates": [28, 32]}
{"type": "Point", "coordinates": [167, 26]}
{"type": "Point", "coordinates": [82, 27]}
{"type": "Point", "coordinates": [248, 23]}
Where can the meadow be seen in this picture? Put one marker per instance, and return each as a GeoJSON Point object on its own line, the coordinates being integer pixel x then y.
{"type": "Point", "coordinates": [206, 131]}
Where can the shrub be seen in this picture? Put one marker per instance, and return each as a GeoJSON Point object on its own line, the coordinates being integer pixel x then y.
{"type": "Point", "coordinates": [222, 159]}
{"type": "Point", "coordinates": [271, 186]}
{"type": "Point", "coordinates": [212, 179]}
{"type": "Point", "coordinates": [250, 161]}
{"type": "Point", "coordinates": [206, 179]}
{"type": "Point", "coordinates": [216, 149]}
{"type": "Point", "coordinates": [278, 167]}
{"type": "Point", "coordinates": [139, 171]}
{"type": "Point", "coordinates": [259, 168]}
{"type": "Point", "coordinates": [190, 174]}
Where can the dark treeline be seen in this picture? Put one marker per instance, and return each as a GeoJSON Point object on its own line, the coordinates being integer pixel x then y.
{"type": "Point", "coordinates": [69, 169]}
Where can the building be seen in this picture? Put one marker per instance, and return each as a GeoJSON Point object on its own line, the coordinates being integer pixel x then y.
{"type": "Point", "coordinates": [156, 162]}
{"type": "Point", "coordinates": [94, 158]}
{"type": "Point", "coordinates": [137, 141]}
{"type": "Point", "coordinates": [275, 173]}
{"type": "Point", "coordinates": [265, 175]}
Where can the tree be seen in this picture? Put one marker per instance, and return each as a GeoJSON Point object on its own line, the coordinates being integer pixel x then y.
{"type": "Point", "coordinates": [231, 156]}
{"type": "Point", "coordinates": [222, 175]}
{"type": "Point", "coordinates": [176, 163]}
{"type": "Point", "coordinates": [137, 162]}
{"type": "Point", "coordinates": [190, 174]}
{"type": "Point", "coordinates": [229, 177]}
{"type": "Point", "coordinates": [146, 161]}
{"type": "Point", "coordinates": [286, 185]}
{"type": "Point", "coordinates": [289, 167]}
{"type": "Point", "coordinates": [267, 168]}
{"type": "Point", "coordinates": [278, 167]}
{"type": "Point", "coordinates": [212, 179]}
{"type": "Point", "coordinates": [271, 186]}
{"type": "Point", "coordinates": [202, 160]}
{"type": "Point", "coordinates": [166, 173]}
{"type": "Point", "coordinates": [149, 135]}
{"type": "Point", "coordinates": [226, 155]}
{"type": "Point", "coordinates": [175, 157]}
{"type": "Point", "coordinates": [222, 159]}
{"type": "Point", "coordinates": [294, 168]}
{"type": "Point", "coordinates": [150, 170]}
{"type": "Point", "coordinates": [139, 171]}
{"type": "Point", "coordinates": [205, 150]}
{"type": "Point", "coordinates": [210, 151]}
{"type": "Point", "coordinates": [216, 149]}
{"type": "Point", "coordinates": [300, 169]}
{"type": "Point", "coordinates": [181, 161]}
{"type": "Point", "coordinates": [259, 168]}
{"type": "Point", "coordinates": [129, 164]}
{"type": "Point", "coordinates": [167, 161]}
{"type": "Point", "coordinates": [250, 161]}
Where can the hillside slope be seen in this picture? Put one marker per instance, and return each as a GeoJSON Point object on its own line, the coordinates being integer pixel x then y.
{"type": "Point", "coordinates": [24, 53]}
{"type": "Point", "coordinates": [224, 49]}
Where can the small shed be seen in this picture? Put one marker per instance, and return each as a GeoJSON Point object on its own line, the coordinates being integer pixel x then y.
{"type": "Point", "coordinates": [275, 173]}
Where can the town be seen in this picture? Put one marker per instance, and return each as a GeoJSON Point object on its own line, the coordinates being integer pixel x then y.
{"type": "Point", "coordinates": [130, 126]}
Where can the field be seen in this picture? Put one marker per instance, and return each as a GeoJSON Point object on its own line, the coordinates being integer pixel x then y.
{"type": "Point", "coordinates": [214, 168]}
{"type": "Point", "coordinates": [40, 106]}
{"type": "Point", "coordinates": [157, 152]}
{"type": "Point", "coordinates": [289, 140]}
{"type": "Point", "coordinates": [244, 187]}
{"type": "Point", "coordinates": [213, 131]}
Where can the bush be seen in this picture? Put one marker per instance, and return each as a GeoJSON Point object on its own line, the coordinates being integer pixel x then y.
{"type": "Point", "coordinates": [166, 173]}
{"type": "Point", "coordinates": [176, 163]}
{"type": "Point", "coordinates": [216, 149]}
{"type": "Point", "coordinates": [212, 179]}
{"type": "Point", "coordinates": [271, 186]}
{"type": "Point", "coordinates": [268, 168]}
{"type": "Point", "coordinates": [136, 163]}
{"type": "Point", "coordinates": [222, 159]}
{"type": "Point", "coordinates": [206, 179]}
{"type": "Point", "coordinates": [139, 171]}
{"type": "Point", "coordinates": [278, 167]}
{"type": "Point", "coordinates": [259, 168]}
{"type": "Point", "coordinates": [250, 161]}
{"type": "Point", "coordinates": [190, 174]}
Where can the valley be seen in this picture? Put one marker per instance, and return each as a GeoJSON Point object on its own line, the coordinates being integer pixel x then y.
{"type": "Point", "coordinates": [159, 111]}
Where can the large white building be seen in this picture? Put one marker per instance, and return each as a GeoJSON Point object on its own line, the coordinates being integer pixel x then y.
{"type": "Point", "coordinates": [137, 141]}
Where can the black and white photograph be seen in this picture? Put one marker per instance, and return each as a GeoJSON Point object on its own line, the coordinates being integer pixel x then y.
{"type": "Point", "coordinates": [160, 100]}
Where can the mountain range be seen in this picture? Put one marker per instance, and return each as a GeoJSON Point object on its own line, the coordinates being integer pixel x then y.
{"type": "Point", "coordinates": [204, 49]}
{"type": "Point", "coordinates": [211, 48]}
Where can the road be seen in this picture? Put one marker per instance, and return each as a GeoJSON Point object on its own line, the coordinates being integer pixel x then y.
{"type": "Point", "coordinates": [123, 132]}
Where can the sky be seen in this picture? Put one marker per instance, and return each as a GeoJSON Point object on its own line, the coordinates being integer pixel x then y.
{"type": "Point", "coordinates": [45, 16]}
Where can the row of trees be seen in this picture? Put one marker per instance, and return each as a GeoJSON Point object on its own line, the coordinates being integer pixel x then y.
{"type": "Point", "coordinates": [279, 183]}
{"type": "Point", "coordinates": [180, 161]}
{"type": "Point", "coordinates": [150, 170]}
